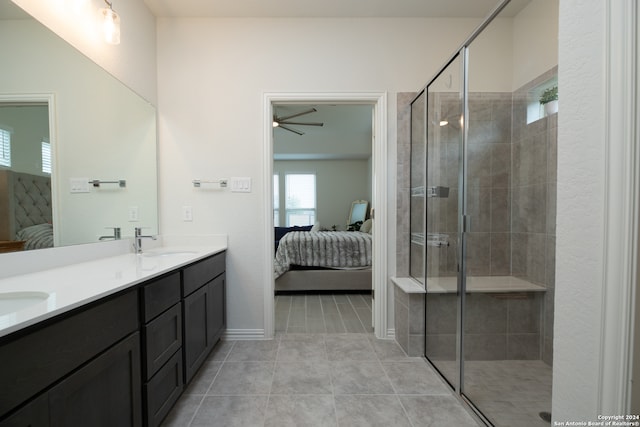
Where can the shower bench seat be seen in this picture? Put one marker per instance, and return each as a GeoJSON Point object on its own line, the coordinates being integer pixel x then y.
{"type": "Point", "coordinates": [475, 284]}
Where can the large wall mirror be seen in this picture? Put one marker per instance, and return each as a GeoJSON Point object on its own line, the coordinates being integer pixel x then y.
{"type": "Point", "coordinates": [98, 129]}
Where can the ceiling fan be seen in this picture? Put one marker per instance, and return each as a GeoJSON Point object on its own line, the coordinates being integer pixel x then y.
{"type": "Point", "coordinates": [283, 122]}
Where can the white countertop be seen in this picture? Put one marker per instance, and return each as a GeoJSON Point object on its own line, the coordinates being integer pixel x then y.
{"type": "Point", "coordinates": [76, 284]}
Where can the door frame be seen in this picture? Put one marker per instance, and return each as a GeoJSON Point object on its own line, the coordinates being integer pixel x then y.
{"type": "Point", "coordinates": [378, 100]}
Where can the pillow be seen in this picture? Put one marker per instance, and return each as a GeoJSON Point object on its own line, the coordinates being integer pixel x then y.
{"type": "Point", "coordinates": [36, 236]}
{"type": "Point", "coordinates": [367, 226]}
{"type": "Point", "coordinates": [316, 227]}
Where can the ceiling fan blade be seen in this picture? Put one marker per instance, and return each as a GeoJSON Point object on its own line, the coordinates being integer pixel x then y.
{"type": "Point", "coordinates": [301, 123]}
{"type": "Point", "coordinates": [290, 129]}
{"type": "Point", "coordinates": [312, 110]}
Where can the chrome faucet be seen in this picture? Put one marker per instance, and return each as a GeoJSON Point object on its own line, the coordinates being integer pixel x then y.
{"type": "Point", "coordinates": [137, 240]}
{"type": "Point", "coordinates": [114, 236]}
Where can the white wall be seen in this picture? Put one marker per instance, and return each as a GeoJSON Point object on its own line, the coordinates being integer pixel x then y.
{"type": "Point", "coordinates": [212, 74]}
{"type": "Point", "coordinates": [535, 41]}
{"type": "Point", "coordinates": [581, 206]}
{"type": "Point", "coordinates": [338, 184]}
{"type": "Point", "coordinates": [133, 61]}
{"type": "Point", "coordinates": [29, 126]}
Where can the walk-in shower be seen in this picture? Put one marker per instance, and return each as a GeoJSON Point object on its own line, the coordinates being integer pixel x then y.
{"type": "Point", "coordinates": [482, 226]}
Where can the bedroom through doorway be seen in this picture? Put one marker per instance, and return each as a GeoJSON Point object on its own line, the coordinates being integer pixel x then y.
{"type": "Point", "coordinates": [322, 198]}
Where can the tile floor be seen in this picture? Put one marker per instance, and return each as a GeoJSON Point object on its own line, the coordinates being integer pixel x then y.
{"type": "Point", "coordinates": [347, 379]}
{"type": "Point", "coordinates": [508, 392]}
{"type": "Point", "coordinates": [323, 313]}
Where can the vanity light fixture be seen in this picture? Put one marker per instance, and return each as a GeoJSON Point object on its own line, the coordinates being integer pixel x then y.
{"type": "Point", "coordinates": [110, 24]}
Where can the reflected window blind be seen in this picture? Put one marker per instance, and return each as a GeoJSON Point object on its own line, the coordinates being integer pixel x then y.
{"type": "Point", "coordinates": [46, 157]}
{"type": "Point", "coordinates": [5, 148]}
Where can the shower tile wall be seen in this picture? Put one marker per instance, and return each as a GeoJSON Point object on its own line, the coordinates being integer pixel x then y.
{"type": "Point", "coordinates": [512, 188]}
{"type": "Point", "coordinates": [534, 184]}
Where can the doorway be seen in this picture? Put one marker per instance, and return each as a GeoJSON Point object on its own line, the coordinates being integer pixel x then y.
{"type": "Point", "coordinates": [376, 102]}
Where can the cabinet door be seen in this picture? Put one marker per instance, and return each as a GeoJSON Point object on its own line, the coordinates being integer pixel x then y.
{"type": "Point", "coordinates": [195, 343]}
{"type": "Point", "coordinates": [35, 414]}
{"type": "Point", "coordinates": [216, 312]}
{"type": "Point", "coordinates": [104, 393]}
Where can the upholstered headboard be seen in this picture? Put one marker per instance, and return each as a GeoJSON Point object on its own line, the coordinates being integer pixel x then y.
{"type": "Point", "coordinates": [25, 200]}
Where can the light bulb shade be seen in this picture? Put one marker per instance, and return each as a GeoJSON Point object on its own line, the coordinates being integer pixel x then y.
{"type": "Point", "coordinates": [111, 26]}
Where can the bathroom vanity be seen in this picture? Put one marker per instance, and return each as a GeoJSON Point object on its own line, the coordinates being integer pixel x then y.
{"type": "Point", "coordinates": [112, 357]}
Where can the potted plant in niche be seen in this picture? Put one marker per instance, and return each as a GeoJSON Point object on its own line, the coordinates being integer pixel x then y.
{"type": "Point", "coordinates": [549, 99]}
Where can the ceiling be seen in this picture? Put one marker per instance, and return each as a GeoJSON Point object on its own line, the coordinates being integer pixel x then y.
{"type": "Point", "coordinates": [330, 8]}
{"type": "Point", "coordinates": [346, 133]}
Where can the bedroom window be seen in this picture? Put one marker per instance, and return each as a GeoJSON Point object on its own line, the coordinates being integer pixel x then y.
{"type": "Point", "coordinates": [5, 148]}
{"type": "Point", "coordinates": [276, 200]}
{"type": "Point", "coordinates": [300, 199]}
{"type": "Point", "coordinates": [46, 157]}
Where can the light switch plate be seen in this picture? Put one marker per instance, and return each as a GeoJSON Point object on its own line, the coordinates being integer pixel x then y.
{"type": "Point", "coordinates": [133, 213]}
{"type": "Point", "coordinates": [187, 213]}
{"type": "Point", "coordinates": [240, 184]}
{"type": "Point", "coordinates": [79, 185]}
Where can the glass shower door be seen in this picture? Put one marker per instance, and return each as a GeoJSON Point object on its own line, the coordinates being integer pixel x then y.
{"type": "Point", "coordinates": [444, 136]}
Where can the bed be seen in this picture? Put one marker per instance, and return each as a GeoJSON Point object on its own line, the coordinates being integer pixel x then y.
{"type": "Point", "coordinates": [25, 210]}
{"type": "Point", "coordinates": [323, 261]}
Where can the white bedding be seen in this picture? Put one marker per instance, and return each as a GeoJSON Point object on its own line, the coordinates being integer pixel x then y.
{"type": "Point", "coordinates": [325, 249]}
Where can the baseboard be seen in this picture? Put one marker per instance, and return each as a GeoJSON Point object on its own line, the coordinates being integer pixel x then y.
{"type": "Point", "coordinates": [243, 334]}
{"type": "Point", "coordinates": [391, 333]}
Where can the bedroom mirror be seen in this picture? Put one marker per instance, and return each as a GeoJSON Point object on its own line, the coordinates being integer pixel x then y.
{"type": "Point", "coordinates": [358, 211]}
{"type": "Point", "coordinates": [100, 130]}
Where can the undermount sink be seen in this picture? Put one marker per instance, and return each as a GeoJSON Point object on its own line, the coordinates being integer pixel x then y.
{"type": "Point", "coordinates": [10, 302]}
{"type": "Point", "coordinates": [167, 253]}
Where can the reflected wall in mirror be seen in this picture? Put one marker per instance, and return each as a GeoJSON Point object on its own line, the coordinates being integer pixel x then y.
{"type": "Point", "coordinates": [100, 130]}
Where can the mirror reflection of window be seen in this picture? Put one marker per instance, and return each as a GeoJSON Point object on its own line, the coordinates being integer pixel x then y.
{"type": "Point", "coordinates": [5, 148]}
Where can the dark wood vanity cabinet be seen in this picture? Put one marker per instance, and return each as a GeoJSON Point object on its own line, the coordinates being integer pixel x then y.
{"type": "Point", "coordinates": [203, 288]}
{"type": "Point", "coordinates": [121, 361]}
{"type": "Point", "coordinates": [75, 370]}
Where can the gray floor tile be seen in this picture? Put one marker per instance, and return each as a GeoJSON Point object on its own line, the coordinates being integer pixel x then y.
{"type": "Point", "coordinates": [204, 378]}
{"type": "Point", "coordinates": [307, 377]}
{"type": "Point", "coordinates": [436, 411]}
{"type": "Point", "coordinates": [300, 410]}
{"type": "Point", "coordinates": [388, 350]}
{"type": "Point", "coordinates": [359, 378]}
{"type": "Point", "coordinates": [241, 378]}
{"type": "Point", "coordinates": [303, 347]}
{"type": "Point", "coordinates": [183, 411]}
{"type": "Point", "coordinates": [414, 377]}
{"type": "Point", "coordinates": [231, 411]}
{"type": "Point", "coordinates": [350, 318]}
{"type": "Point", "coordinates": [370, 411]}
{"type": "Point", "coordinates": [349, 347]}
{"type": "Point", "coordinates": [253, 351]}
{"type": "Point", "coordinates": [221, 350]}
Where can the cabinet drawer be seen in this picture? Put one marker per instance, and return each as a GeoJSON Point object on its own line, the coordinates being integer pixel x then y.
{"type": "Point", "coordinates": [163, 390]}
{"type": "Point", "coordinates": [197, 275]}
{"type": "Point", "coordinates": [33, 362]}
{"type": "Point", "coordinates": [162, 337]}
{"type": "Point", "coordinates": [159, 295]}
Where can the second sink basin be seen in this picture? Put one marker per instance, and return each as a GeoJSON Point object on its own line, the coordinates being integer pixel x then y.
{"type": "Point", "coordinates": [10, 302]}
